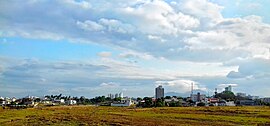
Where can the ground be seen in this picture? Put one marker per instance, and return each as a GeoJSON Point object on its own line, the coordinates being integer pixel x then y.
{"type": "Point", "coordinates": [171, 116]}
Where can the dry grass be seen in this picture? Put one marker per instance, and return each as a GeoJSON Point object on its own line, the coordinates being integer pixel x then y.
{"type": "Point", "coordinates": [90, 115]}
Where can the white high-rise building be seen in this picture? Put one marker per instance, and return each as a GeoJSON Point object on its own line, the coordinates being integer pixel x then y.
{"type": "Point", "coordinates": [116, 95]}
{"type": "Point", "coordinates": [159, 92]}
{"type": "Point", "coordinates": [229, 88]}
{"type": "Point", "coordinates": [121, 94]}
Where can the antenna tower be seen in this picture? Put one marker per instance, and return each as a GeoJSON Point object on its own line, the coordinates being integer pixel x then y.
{"type": "Point", "coordinates": [191, 88]}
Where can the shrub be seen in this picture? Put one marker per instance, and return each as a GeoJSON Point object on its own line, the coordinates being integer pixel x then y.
{"type": "Point", "coordinates": [201, 104]}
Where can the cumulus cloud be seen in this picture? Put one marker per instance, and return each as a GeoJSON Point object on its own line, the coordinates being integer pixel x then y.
{"type": "Point", "coordinates": [90, 25]}
{"type": "Point", "coordinates": [180, 30]}
{"type": "Point", "coordinates": [109, 84]}
{"type": "Point", "coordinates": [68, 76]}
{"type": "Point", "coordinates": [181, 85]}
{"type": "Point", "coordinates": [135, 55]}
{"type": "Point", "coordinates": [252, 68]}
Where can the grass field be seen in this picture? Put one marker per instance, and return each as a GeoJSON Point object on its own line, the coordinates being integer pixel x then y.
{"type": "Point", "coordinates": [91, 115]}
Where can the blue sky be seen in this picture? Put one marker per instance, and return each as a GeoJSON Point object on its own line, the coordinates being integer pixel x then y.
{"type": "Point", "coordinates": [97, 47]}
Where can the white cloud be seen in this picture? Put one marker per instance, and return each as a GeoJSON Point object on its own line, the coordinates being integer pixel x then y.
{"type": "Point", "coordinates": [252, 69]}
{"type": "Point", "coordinates": [113, 25]}
{"type": "Point", "coordinates": [105, 54]}
{"type": "Point", "coordinates": [109, 84]}
{"type": "Point", "coordinates": [187, 30]}
{"type": "Point", "coordinates": [135, 55]}
{"type": "Point", "coordinates": [180, 85]}
{"type": "Point", "coordinates": [181, 30]}
{"type": "Point", "coordinates": [90, 25]}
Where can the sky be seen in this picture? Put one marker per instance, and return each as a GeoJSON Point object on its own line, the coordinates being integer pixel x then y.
{"type": "Point", "coordinates": [96, 47]}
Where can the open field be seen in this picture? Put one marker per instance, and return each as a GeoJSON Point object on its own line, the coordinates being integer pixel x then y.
{"type": "Point", "coordinates": [91, 115]}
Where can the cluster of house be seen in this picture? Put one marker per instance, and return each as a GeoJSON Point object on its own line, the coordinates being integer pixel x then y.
{"type": "Point", "coordinates": [48, 101]}
{"type": "Point", "coordinates": [31, 101]}
{"type": "Point", "coordinates": [245, 100]}
{"type": "Point", "coordinates": [193, 100]}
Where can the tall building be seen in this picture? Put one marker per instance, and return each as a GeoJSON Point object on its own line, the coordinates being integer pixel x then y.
{"type": "Point", "coordinates": [116, 95]}
{"type": "Point", "coordinates": [229, 88]}
{"type": "Point", "coordinates": [121, 94]}
{"type": "Point", "coordinates": [159, 92]}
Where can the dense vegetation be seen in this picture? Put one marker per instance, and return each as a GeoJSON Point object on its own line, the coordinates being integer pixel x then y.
{"type": "Point", "coordinates": [93, 115]}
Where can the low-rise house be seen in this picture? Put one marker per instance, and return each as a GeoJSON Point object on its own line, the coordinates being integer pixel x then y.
{"type": "Point", "coordinates": [252, 97]}
{"type": "Point", "coordinates": [222, 103]}
{"type": "Point", "coordinates": [198, 97]}
{"type": "Point", "coordinates": [230, 103]}
{"type": "Point", "coordinates": [171, 100]}
{"type": "Point", "coordinates": [246, 103]}
{"type": "Point", "coordinates": [212, 101]}
{"type": "Point", "coordinates": [29, 103]}
{"type": "Point", "coordinates": [126, 102]}
{"type": "Point", "coordinates": [71, 102]}
{"type": "Point", "coordinates": [265, 100]}
{"type": "Point", "coordinates": [2, 102]}
{"type": "Point", "coordinates": [7, 100]}
{"type": "Point", "coordinates": [13, 99]}
{"type": "Point", "coordinates": [59, 101]}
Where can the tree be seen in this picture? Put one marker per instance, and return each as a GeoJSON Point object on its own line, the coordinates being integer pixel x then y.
{"type": "Point", "coordinates": [168, 97]}
{"type": "Point", "coordinates": [82, 99]}
{"type": "Point", "coordinates": [108, 99]}
{"type": "Point", "coordinates": [180, 98]}
{"type": "Point", "coordinates": [139, 99]}
{"type": "Point", "coordinates": [117, 99]}
{"type": "Point", "coordinates": [226, 95]}
{"type": "Point", "coordinates": [148, 102]}
{"type": "Point", "coordinates": [37, 100]}
{"type": "Point", "coordinates": [201, 104]}
{"type": "Point", "coordinates": [174, 96]}
{"type": "Point", "coordinates": [160, 102]}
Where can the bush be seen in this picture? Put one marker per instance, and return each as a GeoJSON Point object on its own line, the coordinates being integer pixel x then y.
{"type": "Point", "coordinates": [201, 104]}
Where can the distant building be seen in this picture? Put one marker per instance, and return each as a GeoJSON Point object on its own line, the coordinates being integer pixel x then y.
{"type": "Point", "coordinates": [124, 102]}
{"type": "Point", "coordinates": [111, 96]}
{"type": "Point", "coordinates": [222, 103]}
{"type": "Point", "coordinates": [159, 92]}
{"type": "Point", "coordinates": [59, 101]}
{"type": "Point", "coordinates": [71, 102]}
{"type": "Point", "coordinates": [116, 95]}
{"type": "Point", "coordinates": [241, 94]}
{"type": "Point", "coordinates": [230, 103]}
{"type": "Point", "coordinates": [13, 99]}
{"type": "Point", "coordinates": [265, 100]}
{"type": "Point", "coordinates": [252, 97]}
{"type": "Point", "coordinates": [121, 94]}
{"type": "Point", "coordinates": [228, 89]}
{"type": "Point", "coordinates": [246, 103]}
{"type": "Point", "coordinates": [213, 100]}
{"type": "Point", "coordinates": [198, 97]}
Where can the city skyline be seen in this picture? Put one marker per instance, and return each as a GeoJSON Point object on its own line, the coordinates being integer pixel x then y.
{"type": "Point", "coordinates": [93, 48]}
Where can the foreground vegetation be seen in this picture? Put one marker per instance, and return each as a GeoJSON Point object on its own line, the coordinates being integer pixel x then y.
{"type": "Point", "coordinates": [93, 115]}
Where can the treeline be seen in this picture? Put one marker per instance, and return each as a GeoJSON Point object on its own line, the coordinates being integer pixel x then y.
{"type": "Point", "coordinates": [101, 100]}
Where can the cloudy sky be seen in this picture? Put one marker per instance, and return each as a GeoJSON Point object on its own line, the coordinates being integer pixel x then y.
{"type": "Point", "coordinates": [96, 47]}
